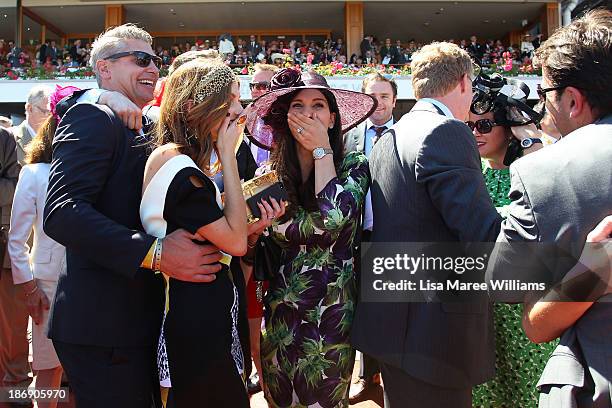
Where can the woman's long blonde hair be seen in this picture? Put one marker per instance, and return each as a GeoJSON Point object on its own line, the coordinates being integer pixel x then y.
{"type": "Point", "coordinates": [187, 119]}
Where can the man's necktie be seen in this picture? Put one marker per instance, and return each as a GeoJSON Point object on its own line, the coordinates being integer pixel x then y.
{"type": "Point", "coordinates": [379, 131]}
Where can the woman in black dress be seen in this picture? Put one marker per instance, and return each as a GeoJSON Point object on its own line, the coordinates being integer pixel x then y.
{"type": "Point", "coordinates": [200, 354]}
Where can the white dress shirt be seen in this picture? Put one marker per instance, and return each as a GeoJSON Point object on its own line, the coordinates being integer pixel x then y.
{"type": "Point", "coordinates": [368, 218]}
{"type": "Point", "coordinates": [46, 258]}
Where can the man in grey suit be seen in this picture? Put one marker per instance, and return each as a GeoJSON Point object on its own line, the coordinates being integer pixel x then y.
{"type": "Point", "coordinates": [362, 139]}
{"type": "Point", "coordinates": [427, 186]}
{"type": "Point", "coordinates": [559, 194]}
{"type": "Point", "coordinates": [37, 111]}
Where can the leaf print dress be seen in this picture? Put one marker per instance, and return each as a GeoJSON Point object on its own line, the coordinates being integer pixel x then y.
{"type": "Point", "coordinates": [306, 356]}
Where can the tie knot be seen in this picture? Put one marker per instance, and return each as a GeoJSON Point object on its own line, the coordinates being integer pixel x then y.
{"type": "Point", "coordinates": [379, 130]}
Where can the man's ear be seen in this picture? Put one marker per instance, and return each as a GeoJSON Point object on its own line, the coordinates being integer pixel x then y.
{"type": "Point", "coordinates": [103, 67]}
{"type": "Point", "coordinates": [28, 108]}
{"type": "Point", "coordinates": [576, 101]}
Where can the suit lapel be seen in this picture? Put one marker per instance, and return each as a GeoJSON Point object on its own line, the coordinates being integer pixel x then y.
{"type": "Point", "coordinates": [23, 138]}
{"type": "Point", "coordinates": [359, 136]}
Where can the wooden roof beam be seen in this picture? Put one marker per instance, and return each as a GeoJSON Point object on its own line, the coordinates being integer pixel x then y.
{"type": "Point", "coordinates": [35, 17]}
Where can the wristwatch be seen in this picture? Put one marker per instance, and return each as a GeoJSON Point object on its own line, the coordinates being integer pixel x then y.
{"type": "Point", "coordinates": [320, 152]}
{"type": "Point", "coordinates": [527, 143]}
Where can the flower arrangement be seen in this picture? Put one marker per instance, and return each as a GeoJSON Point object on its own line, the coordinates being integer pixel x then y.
{"type": "Point", "coordinates": [504, 66]}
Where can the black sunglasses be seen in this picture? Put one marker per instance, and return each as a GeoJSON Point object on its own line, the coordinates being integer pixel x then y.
{"type": "Point", "coordinates": [483, 126]}
{"type": "Point", "coordinates": [143, 59]}
{"type": "Point", "coordinates": [542, 91]}
{"type": "Point", "coordinates": [261, 86]}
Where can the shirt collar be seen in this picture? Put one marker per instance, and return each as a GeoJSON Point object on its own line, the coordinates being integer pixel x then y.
{"type": "Point", "coordinates": [439, 105]}
{"type": "Point", "coordinates": [369, 124]}
{"type": "Point", "coordinates": [30, 129]}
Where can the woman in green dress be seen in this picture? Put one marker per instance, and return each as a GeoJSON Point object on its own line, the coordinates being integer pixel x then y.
{"type": "Point", "coordinates": [519, 362]}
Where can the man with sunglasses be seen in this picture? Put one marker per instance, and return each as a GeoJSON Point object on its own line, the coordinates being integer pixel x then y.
{"type": "Point", "coordinates": [106, 317]}
{"type": "Point", "coordinates": [559, 194]}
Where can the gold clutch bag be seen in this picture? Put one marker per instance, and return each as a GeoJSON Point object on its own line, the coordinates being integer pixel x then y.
{"type": "Point", "coordinates": [262, 187]}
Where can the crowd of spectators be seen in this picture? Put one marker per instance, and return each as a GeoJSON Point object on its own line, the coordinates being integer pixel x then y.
{"type": "Point", "coordinates": [49, 55]}
{"type": "Point", "coordinates": [245, 51]}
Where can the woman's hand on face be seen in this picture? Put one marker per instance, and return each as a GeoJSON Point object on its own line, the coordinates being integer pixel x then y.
{"type": "Point", "coordinates": [230, 134]}
{"type": "Point", "coordinates": [269, 212]}
{"type": "Point", "coordinates": [309, 132]}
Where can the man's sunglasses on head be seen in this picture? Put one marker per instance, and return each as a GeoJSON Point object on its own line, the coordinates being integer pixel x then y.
{"type": "Point", "coordinates": [260, 86]}
{"type": "Point", "coordinates": [142, 59]}
{"type": "Point", "coordinates": [483, 126]}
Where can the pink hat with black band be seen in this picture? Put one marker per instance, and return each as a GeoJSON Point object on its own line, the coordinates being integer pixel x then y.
{"type": "Point", "coordinates": [354, 107]}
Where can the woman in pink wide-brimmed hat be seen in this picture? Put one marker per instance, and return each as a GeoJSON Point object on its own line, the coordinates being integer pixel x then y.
{"type": "Point", "coordinates": [305, 351]}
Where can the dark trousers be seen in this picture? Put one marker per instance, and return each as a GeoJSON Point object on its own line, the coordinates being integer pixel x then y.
{"type": "Point", "coordinates": [118, 377]}
{"type": "Point", "coordinates": [405, 391]}
{"type": "Point", "coordinates": [369, 366]}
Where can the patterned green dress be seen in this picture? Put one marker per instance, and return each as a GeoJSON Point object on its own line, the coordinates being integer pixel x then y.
{"type": "Point", "coordinates": [519, 362]}
{"type": "Point", "coordinates": [305, 352]}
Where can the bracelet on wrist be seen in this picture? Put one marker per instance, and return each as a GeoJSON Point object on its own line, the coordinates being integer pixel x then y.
{"type": "Point", "coordinates": [157, 255]}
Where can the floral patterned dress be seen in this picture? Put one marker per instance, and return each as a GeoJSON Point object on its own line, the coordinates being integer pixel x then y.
{"type": "Point", "coordinates": [306, 356]}
{"type": "Point", "coordinates": [518, 362]}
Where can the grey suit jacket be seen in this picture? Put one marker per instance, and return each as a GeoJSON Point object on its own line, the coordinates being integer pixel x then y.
{"type": "Point", "coordinates": [354, 139]}
{"type": "Point", "coordinates": [23, 137]}
{"type": "Point", "coordinates": [558, 195]}
{"type": "Point", "coordinates": [427, 186]}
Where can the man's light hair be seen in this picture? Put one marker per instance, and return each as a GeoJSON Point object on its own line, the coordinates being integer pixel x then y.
{"type": "Point", "coordinates": [437, 68]}
{"type": "Point", "coordinates": [38, 93]}
{"type": "Point", "coordinates": [266, 67]}
{"type": "Point", "coordinates": [112, 41]}
{"type": "Point", "coordinates": [192, 55]}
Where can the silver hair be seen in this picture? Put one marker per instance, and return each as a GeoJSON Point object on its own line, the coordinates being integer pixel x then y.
{"type": "Point", "coordinates": [112, 41]}
{"type": "Point", "coordinates": [38, 93]}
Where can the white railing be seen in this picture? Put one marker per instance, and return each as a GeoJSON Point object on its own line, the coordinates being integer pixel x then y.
{"type": "Point", "coordinates": [17, 91]}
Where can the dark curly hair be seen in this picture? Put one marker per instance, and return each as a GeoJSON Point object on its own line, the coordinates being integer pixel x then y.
{"type": "Point", "coordinates": [284, 158]}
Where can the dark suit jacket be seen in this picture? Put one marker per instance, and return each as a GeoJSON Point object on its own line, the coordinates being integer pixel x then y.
{"type": "Point", "coordinates": [364, 47]}
{"type": "Point", "coordinates": [9, 173]}
{"type": "Point", "coordinates": [559, 194]}
{"type": "Point", "coordinates": [103, 298]}
{"type": "Point", "coordinates": [427, 186]}
{"type": "Point", "coordinates": [253, 50]}
{"type": "Point", "coordinates": [392, 52]}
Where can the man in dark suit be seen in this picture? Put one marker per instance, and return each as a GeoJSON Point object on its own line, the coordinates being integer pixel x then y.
{"type": "Point", "coordinates": [389, 53]}
{"type": "Point", "coordinates": [253, 48]}
{"type": "Point", "coordinates": [362, 139]}
{"type": "Point", "coordinates": [366, 45]}
{"type": "Point", "coordinates": [106, 315]}
{"type": "Point", "coordinates": [557, 215]}
{"type": "Point", "coordinates": [427, 186]}
{"type": "Point", "coordinates": [401, 59]}
{"type": "Point", "coordinates": [475, 49]}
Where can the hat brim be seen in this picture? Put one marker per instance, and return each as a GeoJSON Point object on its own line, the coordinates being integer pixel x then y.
{"type": "Point", "coordinates": [354, 108]}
